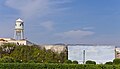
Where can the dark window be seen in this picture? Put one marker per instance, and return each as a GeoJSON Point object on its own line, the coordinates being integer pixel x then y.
{"type": "Point", "coordinates": [20, 24]}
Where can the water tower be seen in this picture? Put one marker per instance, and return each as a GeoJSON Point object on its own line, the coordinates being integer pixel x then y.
{"type": "Point", "coordinates": [19, 30]}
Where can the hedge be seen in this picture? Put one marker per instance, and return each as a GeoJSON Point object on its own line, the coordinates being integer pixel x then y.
{"type": "Point", "coordinates": [54, 66]}
{"type": "Point", "coordinates": [90, 62]}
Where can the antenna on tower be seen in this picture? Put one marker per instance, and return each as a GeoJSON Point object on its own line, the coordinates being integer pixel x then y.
{"type": "Point", "coordinates": [19, 29]}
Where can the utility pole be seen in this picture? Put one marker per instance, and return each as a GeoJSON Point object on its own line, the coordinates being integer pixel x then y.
{"type": "Point", "coordinates": [83, 56]}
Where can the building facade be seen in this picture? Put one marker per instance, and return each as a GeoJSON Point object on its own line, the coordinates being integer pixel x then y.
{"type": "Point", "coordinates": [17, 42]}
{"type": "Point", "coordinates": [117, 52]}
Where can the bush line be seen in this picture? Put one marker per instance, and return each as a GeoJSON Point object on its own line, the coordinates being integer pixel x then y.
{"type": "Point", "coordinates": [55, 66]}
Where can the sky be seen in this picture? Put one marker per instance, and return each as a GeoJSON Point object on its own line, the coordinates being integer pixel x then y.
{"type": "Point", "coordinates": [63, 21]}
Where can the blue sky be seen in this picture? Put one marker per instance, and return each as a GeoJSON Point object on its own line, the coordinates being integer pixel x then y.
{"type": "Point", "coordinates": [63, 21]}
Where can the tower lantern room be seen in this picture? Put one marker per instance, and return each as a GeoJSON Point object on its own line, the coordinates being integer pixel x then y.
{"type": "Point", "coordinates": [19, 30]}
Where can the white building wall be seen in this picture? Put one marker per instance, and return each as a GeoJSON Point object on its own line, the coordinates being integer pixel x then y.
{"type": "Point", "coordinates": [18, 42]}
{"type": "Point", "coordinates": [100, 54]}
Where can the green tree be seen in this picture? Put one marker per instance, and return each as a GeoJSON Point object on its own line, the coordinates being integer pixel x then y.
{"type": "Point", "coordinates": [62, 57]}
{"type": "Point", "coordinates": [68, 61]}
{"type": "Point", "coordinates": [116, 61]}
{"type": "Point", "coordinates": [75, 62]}
{"type": "Point", "coordinates": [1, 52]}
{"type": "Point", "coordinates": [109, 63]}
{"type": "Point", "coordinates": [49, 56]}
{"type": "Point", "coordinates": [24, 53]}
{"type": "Point", "coordinates": [90, 62]}
{"type": "Point", "coordinates": [7, 48]}
{"type": "Point", "coordinates": [7, 59]}
{"type": "Point", "coordinates": [8, 45]}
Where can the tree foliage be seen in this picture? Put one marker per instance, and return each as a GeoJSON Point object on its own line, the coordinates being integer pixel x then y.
{"type": "Point", "coordinates": [24, 53]}
{"type": "Point", "coordinates": [75, 62]}
{"type": "Point", "coordinates": [90, 62]}
{"type": "Point", "coordinates": [68, 61]}
{"type": "Point", "coordinates": [7, 59]}
{"type": "Point", "coordinates": [116, 61]}
{"type": "Point", "coordinates": [109, 63]}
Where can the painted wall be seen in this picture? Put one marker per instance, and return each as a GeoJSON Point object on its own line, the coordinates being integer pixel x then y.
{"type": "Point", "coordinates": [100, 54]}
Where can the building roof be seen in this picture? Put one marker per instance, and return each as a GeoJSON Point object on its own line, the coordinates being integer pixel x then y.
{"type": "Point", "coordinates": [19, 20]}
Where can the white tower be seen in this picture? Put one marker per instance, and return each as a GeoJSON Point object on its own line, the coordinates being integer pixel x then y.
{"type": "Point", "coordinates": [19, 30]}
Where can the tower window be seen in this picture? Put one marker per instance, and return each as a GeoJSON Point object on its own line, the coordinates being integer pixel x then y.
{"type": "Point", "coordinates": [20, 24]}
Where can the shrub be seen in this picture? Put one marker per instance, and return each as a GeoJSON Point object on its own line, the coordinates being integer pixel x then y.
{"type": "Point", "coordinates": [68, 61]}
{"type": "Point", "coordinates": [54, 66]}
{"type": "Point", "coordinates": [75, 62]}
{"type": "Point", "coordinates": [18, 61]}
{"type": "Point", "coordinates": [90, 62]}
{"type": "Point", "coordinates": [109, 63]}
{"type": "Point", "coordinates": [116, 61]}
{"type": "Point", "coordinates": [31, 61]}
{"type": "Point", "coordinates": [7, 59]}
